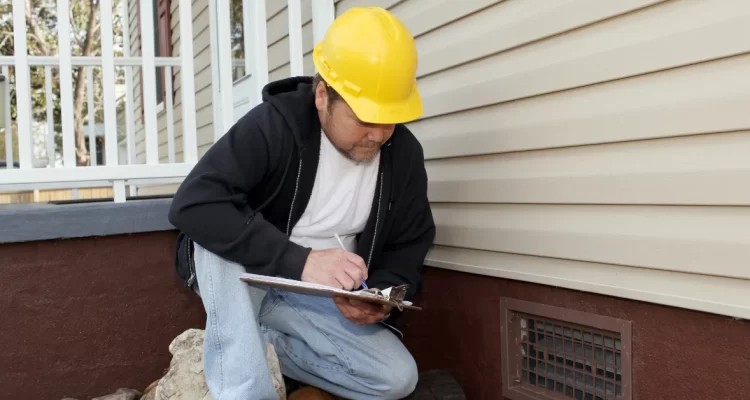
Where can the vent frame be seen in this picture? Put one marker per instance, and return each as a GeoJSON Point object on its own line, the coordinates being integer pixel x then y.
{"type": "Point", "coordinates": [514, 310]}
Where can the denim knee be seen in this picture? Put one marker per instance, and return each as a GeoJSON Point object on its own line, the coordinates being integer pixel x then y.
{"type": "Point", "coordinates": [401, 378]}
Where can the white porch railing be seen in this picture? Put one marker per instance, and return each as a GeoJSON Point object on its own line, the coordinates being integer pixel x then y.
{"type": "Point", "coordinates": [117, 175]}
{"type": "Point", "coordinates": [115, 171]}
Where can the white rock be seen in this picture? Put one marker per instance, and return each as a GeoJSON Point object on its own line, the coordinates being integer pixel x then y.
{"type": "Point", "coordinates": [185, 379]}
{"type": "Point", "coordinates": [273, 365]}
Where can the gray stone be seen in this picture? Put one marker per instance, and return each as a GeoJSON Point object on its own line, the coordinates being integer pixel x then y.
{"type": "Point", "coordinates": [121, 394]}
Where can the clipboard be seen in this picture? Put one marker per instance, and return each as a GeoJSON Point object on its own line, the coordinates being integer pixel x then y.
{"type": "Point", "coordinates": [392, 296]}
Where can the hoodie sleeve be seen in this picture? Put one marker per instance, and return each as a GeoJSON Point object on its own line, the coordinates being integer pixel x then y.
{"type": "Point", "coordinates": [211, 206]}
{"type": "Point", "coordinates": [411, 238]}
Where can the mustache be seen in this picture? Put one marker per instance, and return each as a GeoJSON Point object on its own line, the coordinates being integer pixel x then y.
{"type": "Point", "coordinates": [371, 145]}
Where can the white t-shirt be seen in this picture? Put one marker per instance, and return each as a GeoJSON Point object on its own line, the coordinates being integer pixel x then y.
{"type": "Point", "coordinates": [340, 202]}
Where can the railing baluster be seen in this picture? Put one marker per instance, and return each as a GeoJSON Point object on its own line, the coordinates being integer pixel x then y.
{"type": "Point", "coordinates": [23, 89]}
{"type": "Point", "coordinates": [91, 114]}
{"type": "Point", "coordinates": [130, 117]}
{"type": "Point", "coordinates": [49, 99]}
{"type": "Point", "coordinates": [66, 84]}
{"type": "Point", "coordinates": [8, 126]}
{"type": "Point", "coordinates": [294, 9]}
{"type": "Point", "coordinates": [148, 77]}
{"type": "Point", "coordinates": [170, 112]}
{"type": "Point", "coordinates": [108, 82]}
{"type": "Point", "coordinates": [187, 71]}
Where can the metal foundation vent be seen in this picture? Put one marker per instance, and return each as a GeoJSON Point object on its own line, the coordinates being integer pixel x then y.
{"type": "Point", "coordinates": [557, 353]}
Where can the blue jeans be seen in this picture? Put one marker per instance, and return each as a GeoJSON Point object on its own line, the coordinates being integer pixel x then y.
{"type": "Point", "coordinates": [314, 342]}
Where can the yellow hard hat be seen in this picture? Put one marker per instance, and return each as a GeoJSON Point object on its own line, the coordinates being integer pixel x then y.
{"type": "Point", "coordinates": [370, 58]}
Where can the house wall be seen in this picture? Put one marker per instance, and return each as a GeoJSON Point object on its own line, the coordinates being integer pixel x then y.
{"type": "Point", "coordinates": [597, 146]}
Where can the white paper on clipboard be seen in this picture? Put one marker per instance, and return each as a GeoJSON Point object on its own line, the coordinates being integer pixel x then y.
{"type": "Point", "coordinates": [316, 289]}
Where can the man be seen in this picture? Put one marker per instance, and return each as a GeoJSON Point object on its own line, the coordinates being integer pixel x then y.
{"type": "Point", "coordinates": [320, 157]}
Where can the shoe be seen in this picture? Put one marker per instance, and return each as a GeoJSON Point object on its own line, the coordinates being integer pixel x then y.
{"type": "Point", "coordinates": [310, 393]}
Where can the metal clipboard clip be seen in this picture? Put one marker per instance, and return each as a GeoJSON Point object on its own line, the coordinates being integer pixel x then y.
{"type": "Point", "coordinates": [395, 294]}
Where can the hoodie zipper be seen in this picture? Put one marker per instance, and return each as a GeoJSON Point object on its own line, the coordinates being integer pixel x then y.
{"type": "Point", "coordinates": [191, 265]}
{"type": "Point", "coordinates": [294, 198]}
{"type": "Point", "coordinates": [377, 221]}
{"type": "Point", "coordinates": [374, 235]}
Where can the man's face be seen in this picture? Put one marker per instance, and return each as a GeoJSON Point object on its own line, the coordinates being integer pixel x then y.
{"type": "Point", "coordinates": [357, 140]}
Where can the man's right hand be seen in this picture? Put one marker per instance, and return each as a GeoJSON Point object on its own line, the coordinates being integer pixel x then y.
{"type": "Point", "coordinates": [334, 267]}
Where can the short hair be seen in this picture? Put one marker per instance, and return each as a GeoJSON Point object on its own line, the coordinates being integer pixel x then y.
{"type": "Point", "coordinates": [333, 95]}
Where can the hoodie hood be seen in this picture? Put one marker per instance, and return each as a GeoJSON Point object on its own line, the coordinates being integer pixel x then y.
{"type": "Point", "coordinates": [294, 99]}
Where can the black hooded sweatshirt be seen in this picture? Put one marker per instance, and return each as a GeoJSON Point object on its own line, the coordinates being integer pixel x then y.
{"type": "Point", "coordinates": [247, 192]}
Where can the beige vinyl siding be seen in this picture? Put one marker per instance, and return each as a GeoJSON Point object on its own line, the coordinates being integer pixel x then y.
{"type": "Point", "coordinates": [277, 31]}
{"type": "Point", "coordinates": [597, 146]}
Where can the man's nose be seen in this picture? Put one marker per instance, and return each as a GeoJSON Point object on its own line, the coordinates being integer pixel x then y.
{"type": "Point", "coordinates": [375, 135]}
{"type": "Point", "coordinates": [379, 133]}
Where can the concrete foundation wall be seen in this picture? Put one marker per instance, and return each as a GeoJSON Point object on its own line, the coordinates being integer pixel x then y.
{"type": "Point", "coordinates": [83, 317]}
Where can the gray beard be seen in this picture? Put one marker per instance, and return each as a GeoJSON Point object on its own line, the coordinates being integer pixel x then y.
{"type": "Point", "coordinates": [349, 154]}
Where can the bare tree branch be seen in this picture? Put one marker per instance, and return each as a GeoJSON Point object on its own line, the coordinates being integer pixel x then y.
{"type": "Point", "coordinates": [81, 152]}
{"type": "Point", "coordinates": [36, 33]}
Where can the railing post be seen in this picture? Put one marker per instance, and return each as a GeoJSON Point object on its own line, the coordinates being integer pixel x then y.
{"type": "Point", "coordinates": [66, 84]}
{"type": "Point", "coordinates": [323, 14]}
{"type": "Point", "coordinates": [295, 37]}
{"type": "Point", "coordinates": [247, 37]}
{"type": "Point", "coordinates": [213, 28]}
{"type": "Point", "coordinates": [8, 126]}
{"type": "Point", "coordinates": [108, 81]}
{"type": "Point", "coordinates": [118, 191]}
{"type": "Point", "coordinates": [187, 71]}
{"type": "Point", "coordinates": [148, 77]}
{"type": "Point", "coordinates": [224, 48]}
{"type": "Point", "coordinates": [129, 85]}
{"type": "Point", "coordinates": [260, 49]}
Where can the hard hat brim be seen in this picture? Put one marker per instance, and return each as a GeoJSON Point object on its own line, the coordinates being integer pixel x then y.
{"type": "Point", "coordinates": [369, 111]}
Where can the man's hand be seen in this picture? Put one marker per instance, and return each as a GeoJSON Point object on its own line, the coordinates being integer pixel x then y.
{"type": "Point", "coordinates": [335, 267]}
{"type": "Point", "coordinates": [361, 312]}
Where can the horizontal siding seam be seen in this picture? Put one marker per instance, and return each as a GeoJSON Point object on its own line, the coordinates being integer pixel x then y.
{"type": "Point", "coordinates": [585, 145]}
{"type": "Point", "coordinates": [462, 17]}
{"type": "Point", "coordinates": [639, 267]}
{"type": "Point", "coordinates": [592, 84]}
{"type": "Point", "coordinates": [543, 38]}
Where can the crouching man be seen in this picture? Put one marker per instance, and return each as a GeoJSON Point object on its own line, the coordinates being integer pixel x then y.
{"type": "Point", "coordinates": [319, 157]}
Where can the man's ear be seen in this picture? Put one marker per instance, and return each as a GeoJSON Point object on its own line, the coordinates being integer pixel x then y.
{"type": "Point", "coordinates": [321, 97]}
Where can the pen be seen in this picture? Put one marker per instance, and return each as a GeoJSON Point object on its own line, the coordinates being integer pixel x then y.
{"type": "Point", "coordinates": [364, 285]}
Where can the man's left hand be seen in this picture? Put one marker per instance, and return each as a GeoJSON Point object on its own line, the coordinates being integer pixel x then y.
{"type": "Point", "coordinates": [361, 312]}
